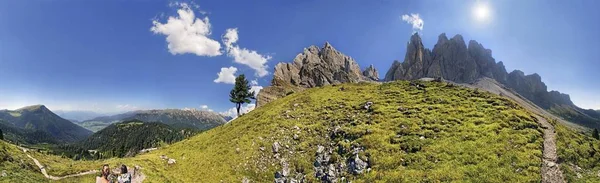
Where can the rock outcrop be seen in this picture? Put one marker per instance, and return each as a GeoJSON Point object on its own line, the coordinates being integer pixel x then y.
{"type": "Point", "coordinates": [317, 67]}
{"type": "Point", "coordinates": [314, 67]}
{"type": "Point", "coordinates": [371, 73]}
{"type": "Point", "coordinates": [451, 59]}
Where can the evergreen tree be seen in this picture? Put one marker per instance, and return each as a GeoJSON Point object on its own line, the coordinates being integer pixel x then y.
{"type": "Point", "coordinates": [240, 93]}
{"type": "Point", "coordinates": [1, 135]}
{"type": "Point", "coordinates": [595, 134]}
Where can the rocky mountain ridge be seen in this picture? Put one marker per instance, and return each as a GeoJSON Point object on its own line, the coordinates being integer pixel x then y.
{"type": "Point", "coordinates": [314, 67]}
{"type": "Point", "coordinates": [454, 60]}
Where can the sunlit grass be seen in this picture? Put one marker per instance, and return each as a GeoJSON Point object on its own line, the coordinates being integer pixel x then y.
{"type": "Point", "coordinates": [443, 133]}
{"type": "Point", "coordinates": [579, 154]}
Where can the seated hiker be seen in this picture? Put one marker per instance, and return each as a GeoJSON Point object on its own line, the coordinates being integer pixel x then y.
{"type": "Point", "coordinates": [104, 175]}
{"type": "Point", "coordinates": [125, 177]}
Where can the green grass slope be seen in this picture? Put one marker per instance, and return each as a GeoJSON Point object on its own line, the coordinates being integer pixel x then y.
{"type": "Point", "coordinates": [579, 154]}
{"type": "Point", "coordinates": [15, 166]}
{"type": "Point", "coordinates": [440, 133]}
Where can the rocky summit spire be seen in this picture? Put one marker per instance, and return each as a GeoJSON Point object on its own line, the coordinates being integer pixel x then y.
{"type": "Point", "coordinates": [417, 57]}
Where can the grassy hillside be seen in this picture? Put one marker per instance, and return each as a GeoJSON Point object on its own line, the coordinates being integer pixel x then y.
{"type": "Point", "coordinates": [580, 154]}
{"type": "Point", "coordinates": [408, 134]}
{"type": "Point", "coordinates": [436, 133]}
{"type": "Point", "coordinates": [17, 166]}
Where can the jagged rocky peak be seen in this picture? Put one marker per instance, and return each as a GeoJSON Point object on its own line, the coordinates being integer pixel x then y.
{"type": "Point", "coordinates": [317, 67]}
{"type": "Point", "coordinates": [415, 60]}
{"type": "Point", "coordinates": [454, 60]}
{"type": "Point", "coordinates": [371, 73]}
{"type": "Point", "coordinates": [442, 39]}
{"type": "Point", "coordinates": [313, 67]}
{"type": "Point", "coordinates": [451, 59]}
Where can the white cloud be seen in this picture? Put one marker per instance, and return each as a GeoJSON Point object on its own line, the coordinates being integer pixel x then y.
{"type": "Point", "coordinates": [232, 112]}
{"type": "Point", "coordinates": [201, 108]}
{"type": "Point", "coordinates": [227, 75]}
{"type": "Point", "coordinates": [230, 37]}
{"type": "Point", "coordinates": [415, 20]}
{"type": "Point", "coordinates": [187, 34]}
{"type": "Point", "coordinates": [255, 89]}
{"type": "Point", "coordinates": [245, 56]}
{"type": "Point", "coordinates": [189, 109]}
{"type": "Point", "coordinates": [127, 107]}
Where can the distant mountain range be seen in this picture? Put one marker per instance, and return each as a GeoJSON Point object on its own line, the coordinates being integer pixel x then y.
{"type": "Point", "coordinates": [76, 116]}
{"type": "Point", "coordinates": [101, 122]}
{"type": "Point", "coordinates": [37, 123]}
{"type": "Point", "coordinates": [178, 118]}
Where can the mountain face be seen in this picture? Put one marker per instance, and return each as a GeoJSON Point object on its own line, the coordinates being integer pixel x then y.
{"type": "Point", "coordinates": [450, 59]}
{"type": "Point", "coordinates": [129, 137]}
{"type": "Point", "coordinates": [18, 135]}
{"type": "Point", "coordinates": [314, 67]}
{"type": "Point", "coordinates": [179, 118]}
{"type": "Point", "coordinates": [453, 60]}
{"type": "Point", "coordinates": [39, 119]}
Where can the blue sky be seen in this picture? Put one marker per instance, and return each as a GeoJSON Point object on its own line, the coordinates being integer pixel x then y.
{"type": "Point", "coordinates": [103, 55]}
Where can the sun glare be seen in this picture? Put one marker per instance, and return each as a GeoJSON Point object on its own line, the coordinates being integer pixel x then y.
{"type": "Point", "coordinates": [481, 12]}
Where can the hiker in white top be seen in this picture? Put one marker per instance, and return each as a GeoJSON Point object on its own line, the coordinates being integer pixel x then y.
{"type": "Point", "coordinates": [124, 177]}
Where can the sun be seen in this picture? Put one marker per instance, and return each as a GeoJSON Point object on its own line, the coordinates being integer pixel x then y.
{"type": "Point", "coordinates": [481, 12]}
